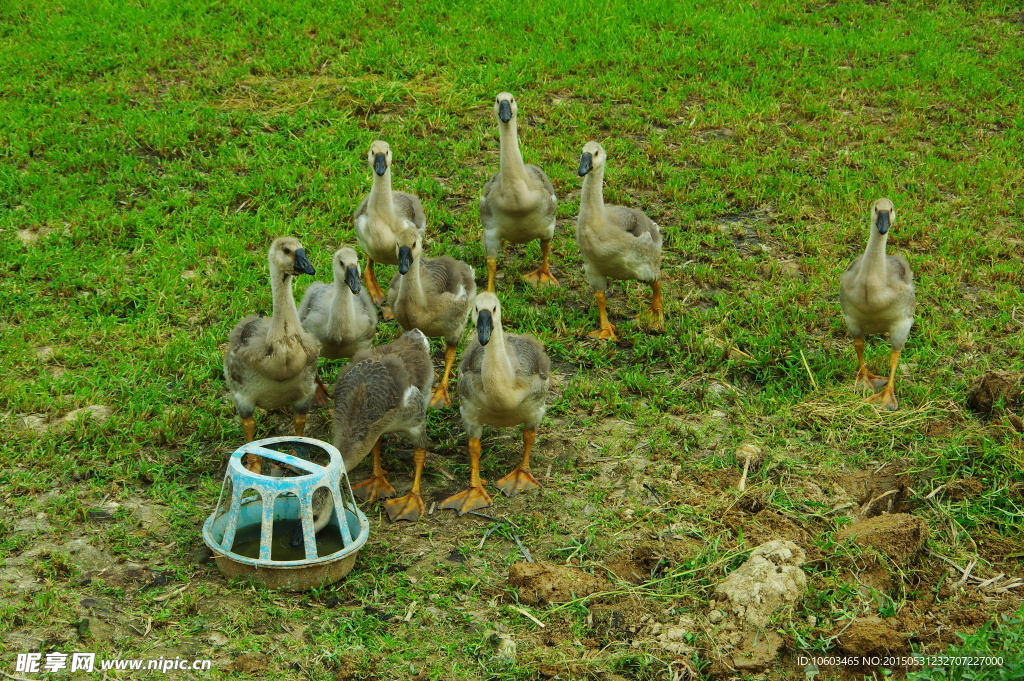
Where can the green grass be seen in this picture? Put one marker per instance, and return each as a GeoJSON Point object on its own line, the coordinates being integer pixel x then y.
{"type": "Point", "coordinates": [994, 652]}
{"type": "Point", "coordinates": [149, 152]}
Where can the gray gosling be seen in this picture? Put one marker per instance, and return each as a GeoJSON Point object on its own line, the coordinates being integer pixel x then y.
{"type": "Point", "coordinates": [434, 295]}
{"type": "Point", "coordinates": [877, 296]}
{"type": "Point", "coordinates": [616, 242]}
{"type": "Point", "coordinates": [382, 216]}
{"type": "Point", "coordinates": [271, 361]}
{"type": "Point", "coordinates": [503, 382]}
{"type": "Point", "coordinates": [385, 390]}
{"type": "Point", "coordinates": [518, 203]}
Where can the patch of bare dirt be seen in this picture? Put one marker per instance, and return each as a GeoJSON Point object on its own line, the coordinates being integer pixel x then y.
{"type": "Point", "coordinates": [770, 579]}
{"type": "Point", "coordinates": [621, 621]}
{"type": "Point", "coordinates": [768, 524]}
{"type": "Point", "coordinates": [996, 388]}
{"type": "Point", "coordinates": [648, 560]}
{"type": "Point", "coordinates": [869, 636]}
{"type": "Point", "coordinates": [873, 492]}
{"type": "Point", "coordinates": [744, 603]}
{"type": "Point", "coordinates": [898, 536]}
{"type": "Point", "coordinates": [39, 424]}
{"type": "Point", "coordinates": [543, 583]}
{"type": "Point", "coordinates": [967, 488]}
{"type": "Point", "coordinates": [250, 663]}
{"type": "Point", "coordinates": [757, 651]}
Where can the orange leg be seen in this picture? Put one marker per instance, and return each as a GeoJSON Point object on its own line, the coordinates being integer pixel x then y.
{"type": "Point", "coordinates": [542, 275]}
{"type": "Point", "coordinates": [475, 497]}
{"type": "Point", "coordinates": [441, 393]}
{"type": "Point", "coordinates": [252, 462]}
{"type": "Point", "coordinates": [887, 395]}
{"type": "Point", "coordinates": [521, 478]}
{"type": "Point", "coordinates": [372, 287]}
{"type": "Point", "coordinates": [655, 312]}
{"type": "Point", "coordinates": [376, 295]}
{"type": "Point", "coordinates": [492, 269]}
{"type": "Point", "coordinates": [410, 507]}
{"type": "Point", "coordinates": [322, 396]}
{"type": "Point", "coordinates": [864, 376]}
{"type": "Point", "coordinates": [300, 423]}
{"type": "Point", "coordinates": [607, 331]}
{"type": "Point", "coordinates": [376, 486]}
{"type": "Point", "coordinates": [249, 428]}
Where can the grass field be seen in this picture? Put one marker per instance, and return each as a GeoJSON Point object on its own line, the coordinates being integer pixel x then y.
{"type": "Point", "coordinates": [149, 152]}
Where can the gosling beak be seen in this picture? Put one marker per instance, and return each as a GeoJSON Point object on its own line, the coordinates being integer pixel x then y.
{"type": "Point", "coordinates": [484, 326]}
{"type": "Point", "coordinates": [352, 278]}
{"type": "Point", "coordinates": [882, 221]}
{"type": "Point", "coordinates": [404, 259]}
{"type": "Point", "coordinates": [586, 163]}
{"type": "Point", "coordinates": [380, 164]}
{"type": "Point", "coordinates": [298, 536]}
{"type": "Point", "coordinates": [302, 263]}
{"type": "Point", "coordinates": [504, 111]}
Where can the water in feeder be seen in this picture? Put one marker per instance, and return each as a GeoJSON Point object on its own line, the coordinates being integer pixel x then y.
{"type": "Point", "coordinates": [247, 541]}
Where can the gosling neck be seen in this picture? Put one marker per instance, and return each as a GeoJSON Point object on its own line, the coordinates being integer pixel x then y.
{"type": "Point", "coordinates": [380, 193]}
{"type": "Point", "coordinates": [874, 254]}
{"type": "Point", "coordinates": [512, 167]}
{"type": "Point", "coordinates": [497, 365]}
{"type": "Point", "coordinates": [285, 319]}
{"type": "Point", "coordinates": [343, 305]}
{"type": "Point", "coordinates": [411, 283]}
{"type": "Point", "coordinates": [592, 196]}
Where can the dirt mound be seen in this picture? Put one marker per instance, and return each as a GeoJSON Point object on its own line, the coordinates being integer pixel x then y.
{"type": "Point", "coordinates": [869, 636]}
{"type": "Point", "coordinates": [898, 536]}
{"type": "Point", "coordinates": [757, 651]}
{"type": "Point", "coordinates": [877, 492]}
{"type": "Point", "coordinates": [967, 488]}
{"type": "Point", "coordinates": [542, 583]}
{"type": "Point", "coordinates": [994, 387]}
{"type": "Point", "coordinates": [769, 524]}
{"type": "Point", "coordinates": [769, 580]}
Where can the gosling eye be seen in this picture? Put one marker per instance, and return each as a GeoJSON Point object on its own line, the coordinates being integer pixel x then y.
{"type": "Point", "coordinates": [287, 251]}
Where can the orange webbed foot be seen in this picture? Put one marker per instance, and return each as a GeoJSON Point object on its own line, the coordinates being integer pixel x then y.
{"type": "Point", "coordinates": [373, 488]}
{"type": "Point", "coordinates": [869, 380]}
{"type": "Point", "coordinates": [468, 500]}
{"type": "Point", "coordinates": [518, 480]}
{"type": "Point", "coordinates": [541, 277]}
{"type": "Point", "coordinates": [376, 295]}
{"type": "Point", "coordinates": [887, 397]}
{"type": "Point", "coordinates": [653, 319]}
{"type": "Point", "coordinates": [604, 333]}
{"type": "Point", "coordinates": [442, 397]}
{"type": "Point", "coordinates": [409, 507]}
